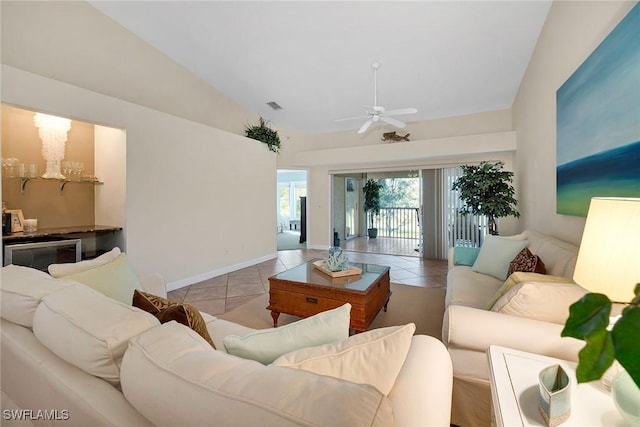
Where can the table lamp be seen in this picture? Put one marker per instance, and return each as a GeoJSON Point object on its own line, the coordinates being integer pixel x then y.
{"type": "Point", "coordinates": [609, 256]}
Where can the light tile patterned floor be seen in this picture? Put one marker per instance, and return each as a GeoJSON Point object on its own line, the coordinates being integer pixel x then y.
{"type": "Point", "coordinates": [383, 245]}
{"type": "Point", "coordinates": [223, 293]}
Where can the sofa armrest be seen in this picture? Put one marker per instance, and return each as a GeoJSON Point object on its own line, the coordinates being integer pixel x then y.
{"type": "Point", "coordinates": [154, 284]}
{"type": "Point", "coordinates": [475, 329]}
{"type": "Point", "coordinates": [450, 257]}
{"type": "Point", "coordinates": [421, 394]}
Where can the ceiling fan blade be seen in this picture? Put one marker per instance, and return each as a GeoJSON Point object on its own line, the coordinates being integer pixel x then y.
{"type": "Point", "coordinates": [365, 126]}
{"type": "Point", "coordinates": [351, 118]}
{"type": "Point", "coordinates": [401, 111]}
{"type": "Point", "coordinates": [392, 121]}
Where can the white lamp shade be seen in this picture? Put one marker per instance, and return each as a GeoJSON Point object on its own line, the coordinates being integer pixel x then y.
{"type": "Point", "coordinates": [609, 256]}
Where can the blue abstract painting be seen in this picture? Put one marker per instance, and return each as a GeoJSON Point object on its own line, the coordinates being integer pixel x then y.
{"type": "Point", "coordinates": [598, 123]}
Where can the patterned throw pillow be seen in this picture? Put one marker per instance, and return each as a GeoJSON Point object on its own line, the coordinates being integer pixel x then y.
{"type": "Point", "coordinates": [166, 310]}
{"type": "Point", "coordinates": [189, 316]}
{"type": "Point", "coordinates": [526, 261]}
{"type": "Point", "coordinates": [151, 303]}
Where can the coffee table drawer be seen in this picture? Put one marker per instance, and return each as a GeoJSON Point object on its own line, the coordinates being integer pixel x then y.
{"type": "Point", "coordinates": [302, 305]}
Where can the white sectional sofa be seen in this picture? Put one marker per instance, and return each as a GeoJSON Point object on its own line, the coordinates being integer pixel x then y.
{"type": "Point", "coordinates": [74, 355]}
{"type": "Point", "coordinates": [531, 319]}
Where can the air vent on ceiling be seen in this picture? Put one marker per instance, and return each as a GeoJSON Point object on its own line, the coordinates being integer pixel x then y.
{"type": "Point", "coordinates": [274, 105]}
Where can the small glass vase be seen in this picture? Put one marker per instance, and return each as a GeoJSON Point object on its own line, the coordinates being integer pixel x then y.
{"type": "Point", "coordinates": [626, 396]}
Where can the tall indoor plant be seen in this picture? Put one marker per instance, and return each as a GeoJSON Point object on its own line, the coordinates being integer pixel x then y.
{"type": "Point", "coordinates": [371, 204]}
{"type": "Point", "coordinates": [487, 190]}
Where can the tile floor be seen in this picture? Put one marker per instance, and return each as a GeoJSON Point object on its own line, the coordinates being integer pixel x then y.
{"type": "Point", "coordinates": [223, 293]}
{"type": "Point", "coordinates": [383, 245]}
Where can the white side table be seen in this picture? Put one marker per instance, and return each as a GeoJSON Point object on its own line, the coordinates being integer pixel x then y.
{"type": "Point", "coordinates": [514, 392]}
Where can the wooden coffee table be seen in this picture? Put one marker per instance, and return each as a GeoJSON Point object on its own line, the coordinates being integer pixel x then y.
{"type": "Point", "coordinates": [304, 291]}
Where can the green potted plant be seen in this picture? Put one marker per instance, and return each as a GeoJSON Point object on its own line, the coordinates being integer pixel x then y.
{"type": "Point", "coordinates": [589, 321]}
{"type": "Point", "coordinates": [487, 190]}
{"type": "Point", "coordinates": [263, 133]}
{"type": "Point", "coordinates": [371, 204]}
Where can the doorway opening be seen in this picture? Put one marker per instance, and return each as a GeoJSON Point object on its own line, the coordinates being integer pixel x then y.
{"type": "Point", "coordinates": [419, 214]}
{"type": "Point", "coordinates": [398, 222]}
{"type": "Point", "coordinates": [291, 205]}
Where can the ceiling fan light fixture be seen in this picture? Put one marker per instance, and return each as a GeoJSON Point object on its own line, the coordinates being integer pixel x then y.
{"type": "Point", "coordinates": [376, 113]}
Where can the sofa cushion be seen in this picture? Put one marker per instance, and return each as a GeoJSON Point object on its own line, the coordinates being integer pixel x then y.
{"type": "Point", "coordinates": [523, 276]}
{"type": "Point", "coordinates": [88, 329]}
{"type": "Point", "coordinates": [465, 256]}
{"type": "Point", "coordinates": [17, 272]}
{"type": "Point", "coordinates": [496, 254]}
{"type": "Point", "coordinates": [115, 279]}
{"type": "Point", "coordinates": [220, 328]}
{"type": "Point", "coordinates": [267, 345]}
{"type": "Point", "coordinates": [66, 269]}
{"type": "Point", "coordinates": [374, 357]}
{"type": "Point", "coordinates": [526, 261]}
{"type": "Point", "coordinates": [559, 256]}
{"type": "Point", "coordinates": [174, 378]}
{"type": "Point", "coordinates": [22, 290]}
{"type": "Point", "coordinates": [545, 301]}
{"type": "Point", "coordinates": [466, 287]}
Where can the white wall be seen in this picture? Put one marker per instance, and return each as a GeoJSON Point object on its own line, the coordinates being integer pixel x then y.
{"type": "Point", "coordinates": [448, 141]}
{"type": "Point", "coordinates": [111, 168]}
{"type": "Point", "coordinates": [572, 31]}
{"type": "Point", "coordinates": [73, 42]}
{"type": "Point", "coordinates": [192, 190]}
{"type": "Point", "coordinates": [195, 193]}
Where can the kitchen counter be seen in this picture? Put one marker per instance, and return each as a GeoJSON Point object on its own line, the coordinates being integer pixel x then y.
{"type": "Point", "coordinates": [57, 232]}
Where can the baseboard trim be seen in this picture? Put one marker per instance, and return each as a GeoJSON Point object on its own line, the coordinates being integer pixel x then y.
{"type": "Point", "coordinates": [172, 286]}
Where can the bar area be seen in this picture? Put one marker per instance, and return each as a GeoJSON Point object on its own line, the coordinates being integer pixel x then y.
{"type": "Point", "coordinates": [63, 188]}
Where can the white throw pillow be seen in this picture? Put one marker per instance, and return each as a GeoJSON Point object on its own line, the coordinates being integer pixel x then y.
{"type": "Point", "coordinates": [496, 254]}
{"type": "Point", "coordinates": [267, 345]}
{"type": "Point", "coordinates": [174, 378]}
{"type": "Point", "coordinates": [60, 270]}
{"type": "Point", "coordinates": [22, 290]}
{"type": "Point", "coordinates": [115, 279]}
{"type": "Point", "coordinates": [89, 330]}
{"type": "Point", "coordinates": [545, 301]}
{"type": "Point", "coordinates": [374, 357]}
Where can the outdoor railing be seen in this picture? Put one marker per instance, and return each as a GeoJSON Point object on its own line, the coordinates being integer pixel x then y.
{"type": "Point", "coordinates": [397, 222]}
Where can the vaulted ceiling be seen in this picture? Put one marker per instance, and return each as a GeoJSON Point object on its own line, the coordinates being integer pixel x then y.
{"type": "Point", "coordinates": [315, 59]}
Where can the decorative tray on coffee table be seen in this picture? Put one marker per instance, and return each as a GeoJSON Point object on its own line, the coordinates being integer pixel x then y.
{"type": "Point", "coordinates": [351, 271]}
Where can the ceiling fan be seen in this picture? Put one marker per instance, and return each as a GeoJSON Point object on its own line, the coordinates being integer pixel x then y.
{"type": "Point", "coordinates": [377, 112]}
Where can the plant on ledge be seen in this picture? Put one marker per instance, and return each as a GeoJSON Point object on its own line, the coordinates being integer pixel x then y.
{"type": "Point", "coordinates": [487, 190]}
{"type": "Point", "coordinates": [589, 320]}
{"type": "Point", "coordinates": [371, 203]}
{"type": "Point", "coordinates": [263, 133]}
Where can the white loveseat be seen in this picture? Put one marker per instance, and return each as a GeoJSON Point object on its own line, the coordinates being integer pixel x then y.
{"type": "Point", "coordinates": [173, 377]}
{"type": "Point", "coordinates": [469, 327]}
